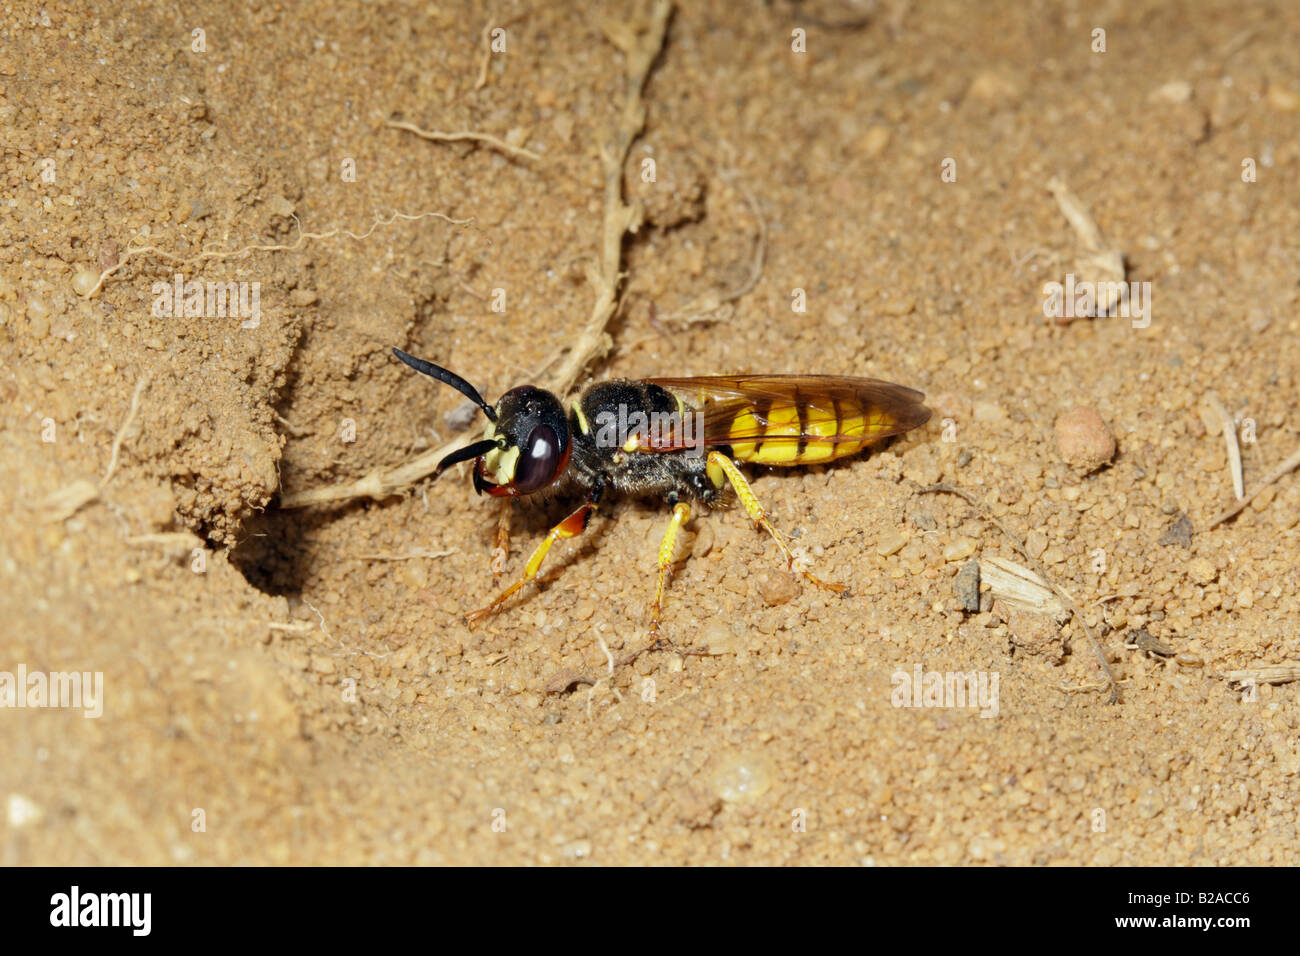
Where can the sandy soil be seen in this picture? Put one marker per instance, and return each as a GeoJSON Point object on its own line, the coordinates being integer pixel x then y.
{"type": "Point", "coordinates": [296, 686]}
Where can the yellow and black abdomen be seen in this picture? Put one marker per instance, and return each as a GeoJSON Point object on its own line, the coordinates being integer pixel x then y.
{"type": "Point", "coordinates": [799, 433]}
{"type": "Point", "coordinates": [799, 419]}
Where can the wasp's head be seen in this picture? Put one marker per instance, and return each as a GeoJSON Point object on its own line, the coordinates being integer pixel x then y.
{"type": "Point", "coordinates": [527, 444]}
{"type": "Point", "coordinates": [531, 444]}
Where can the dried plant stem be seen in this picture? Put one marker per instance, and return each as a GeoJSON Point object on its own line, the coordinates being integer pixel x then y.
{"type": "Point", "coordinates": [461, 135]}
{"type": "Point", "coordinates": [640, 49]}
{"type": "Point", "coordinates": [140, 386]}
{"type": "Point", "coordinates": [1290, 465]}
{"type": "Point", "coordinates": [1264, 674]}
{"type": "Point", "coordinates": [1230, 439]}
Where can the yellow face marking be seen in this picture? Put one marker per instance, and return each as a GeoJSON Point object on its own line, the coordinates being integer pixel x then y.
{"type": "Point", "coordinates": [499, 463]}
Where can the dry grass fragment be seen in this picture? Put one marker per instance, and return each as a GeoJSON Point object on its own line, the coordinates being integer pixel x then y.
{"type": "Point", "coordinates": [1230, 439]}
{"type": "Point", "coordinates": [1103, 261]}
{"type": "Point", "coordinates": [1286, 467]}
{"type": "Point", "coordinates": [1020, 587]}
{"type": "Point", "coordinates": [1264, 674]}
{"type": "Point", "coordinates": [438, 136]}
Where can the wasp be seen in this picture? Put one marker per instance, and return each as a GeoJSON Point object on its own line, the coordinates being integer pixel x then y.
{"type": "Point", "coordinates": [675, 439]}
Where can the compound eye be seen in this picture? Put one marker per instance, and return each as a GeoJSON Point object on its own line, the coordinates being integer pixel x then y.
{"type": "Point", "coordinates": [541, 461]}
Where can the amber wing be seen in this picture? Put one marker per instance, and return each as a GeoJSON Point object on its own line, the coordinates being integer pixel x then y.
{"type": "Point", "coordinates": [788, 419]}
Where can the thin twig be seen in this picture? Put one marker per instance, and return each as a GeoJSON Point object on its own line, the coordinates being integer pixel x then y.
{"type": "Point", "coordinates": [1104, 258]}
{"type": "Point", "coordinates": [487, 57]}
{"type": "Point", "coordinates": [486, 62]}
{"type": "Point", "coordinates": [1291, 464]}
{"type": "Point", "coordinates": [640, 49]}
{"type": "Point", "coordinates": [410, 555]}
{"type": "Point", "coordinates": [438, 136]}
{"type": "Point", "coordinates": [1264, 674]}
{"type": "Point", "coordinates": [1229, 439]}
{"type": "Point", "coordinates": [126, 425]}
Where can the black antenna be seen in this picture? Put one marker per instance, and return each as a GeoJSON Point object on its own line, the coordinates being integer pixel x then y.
{"type": "Point", "coordinates": [465, 454]}
{"type": "Point", "coordinates": [448, 378]}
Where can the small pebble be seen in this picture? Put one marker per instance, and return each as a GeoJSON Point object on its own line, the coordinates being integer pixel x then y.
{"type": "Point", "coordinates": [1202, 570]}
{"type": "Point", "coordinates": [38, 317]}
{"type": "Point", "coordinates": [1177, 91]}
{"type": "Point", "coordinates": [1280, 98]}
{"type": "Point", "coordinates": [743, 778]}
{"type": "Point", "coordinates": [1179, 533]}
{"type": "Point", "coordinates": [890, 542]}
{"type": "Point", "coordinates": [992, 87]}
{"type": "Point", "coordinates": [777, 587]}
{"type": "Point", "coordinates": [461, 416]}
{"type": "Point", "coordinates": [84, 281]}
{"type": "Point", "coordinates": [959, 550]}
{"type": "Point", "coordinates": [23, 811]}
{"type": "Point", "coordinates": [1036, 543]}
{"type": "Point", "coordinates": [924, 521]}
{"type": "Point", "coordinates": [719, 638]}
{"type": "Point", "coordinates": [1084, 440]}
{"type": "Point", "coordinates": [967, 586]}
{"type": "Point", "coordinates": [704, 538]}
{"type": "Point", "coordinates": [875, 140]}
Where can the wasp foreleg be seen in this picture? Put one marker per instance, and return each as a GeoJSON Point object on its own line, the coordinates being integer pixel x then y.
{"type": "Point", "coordinates": [501, 551]}
{"type": "Point", "coordinates": [570, 527]}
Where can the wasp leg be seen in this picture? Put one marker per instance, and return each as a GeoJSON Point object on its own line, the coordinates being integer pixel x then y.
{"type": "Point", "coordinates": [681, 515]}
{"type": "Point", "coordinates": [501, 552]}
{"type": "Point", "coordinates": [570, 527]}
{"type": "Point", "coordinates": [759, 516]}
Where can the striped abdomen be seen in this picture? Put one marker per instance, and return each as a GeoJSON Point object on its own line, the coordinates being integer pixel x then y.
{"type": "Point", "coordinates": [799, 419]}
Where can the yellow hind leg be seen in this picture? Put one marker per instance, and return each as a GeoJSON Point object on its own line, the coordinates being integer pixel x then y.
{"type": "Point", "coordinates": [727, 467]}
